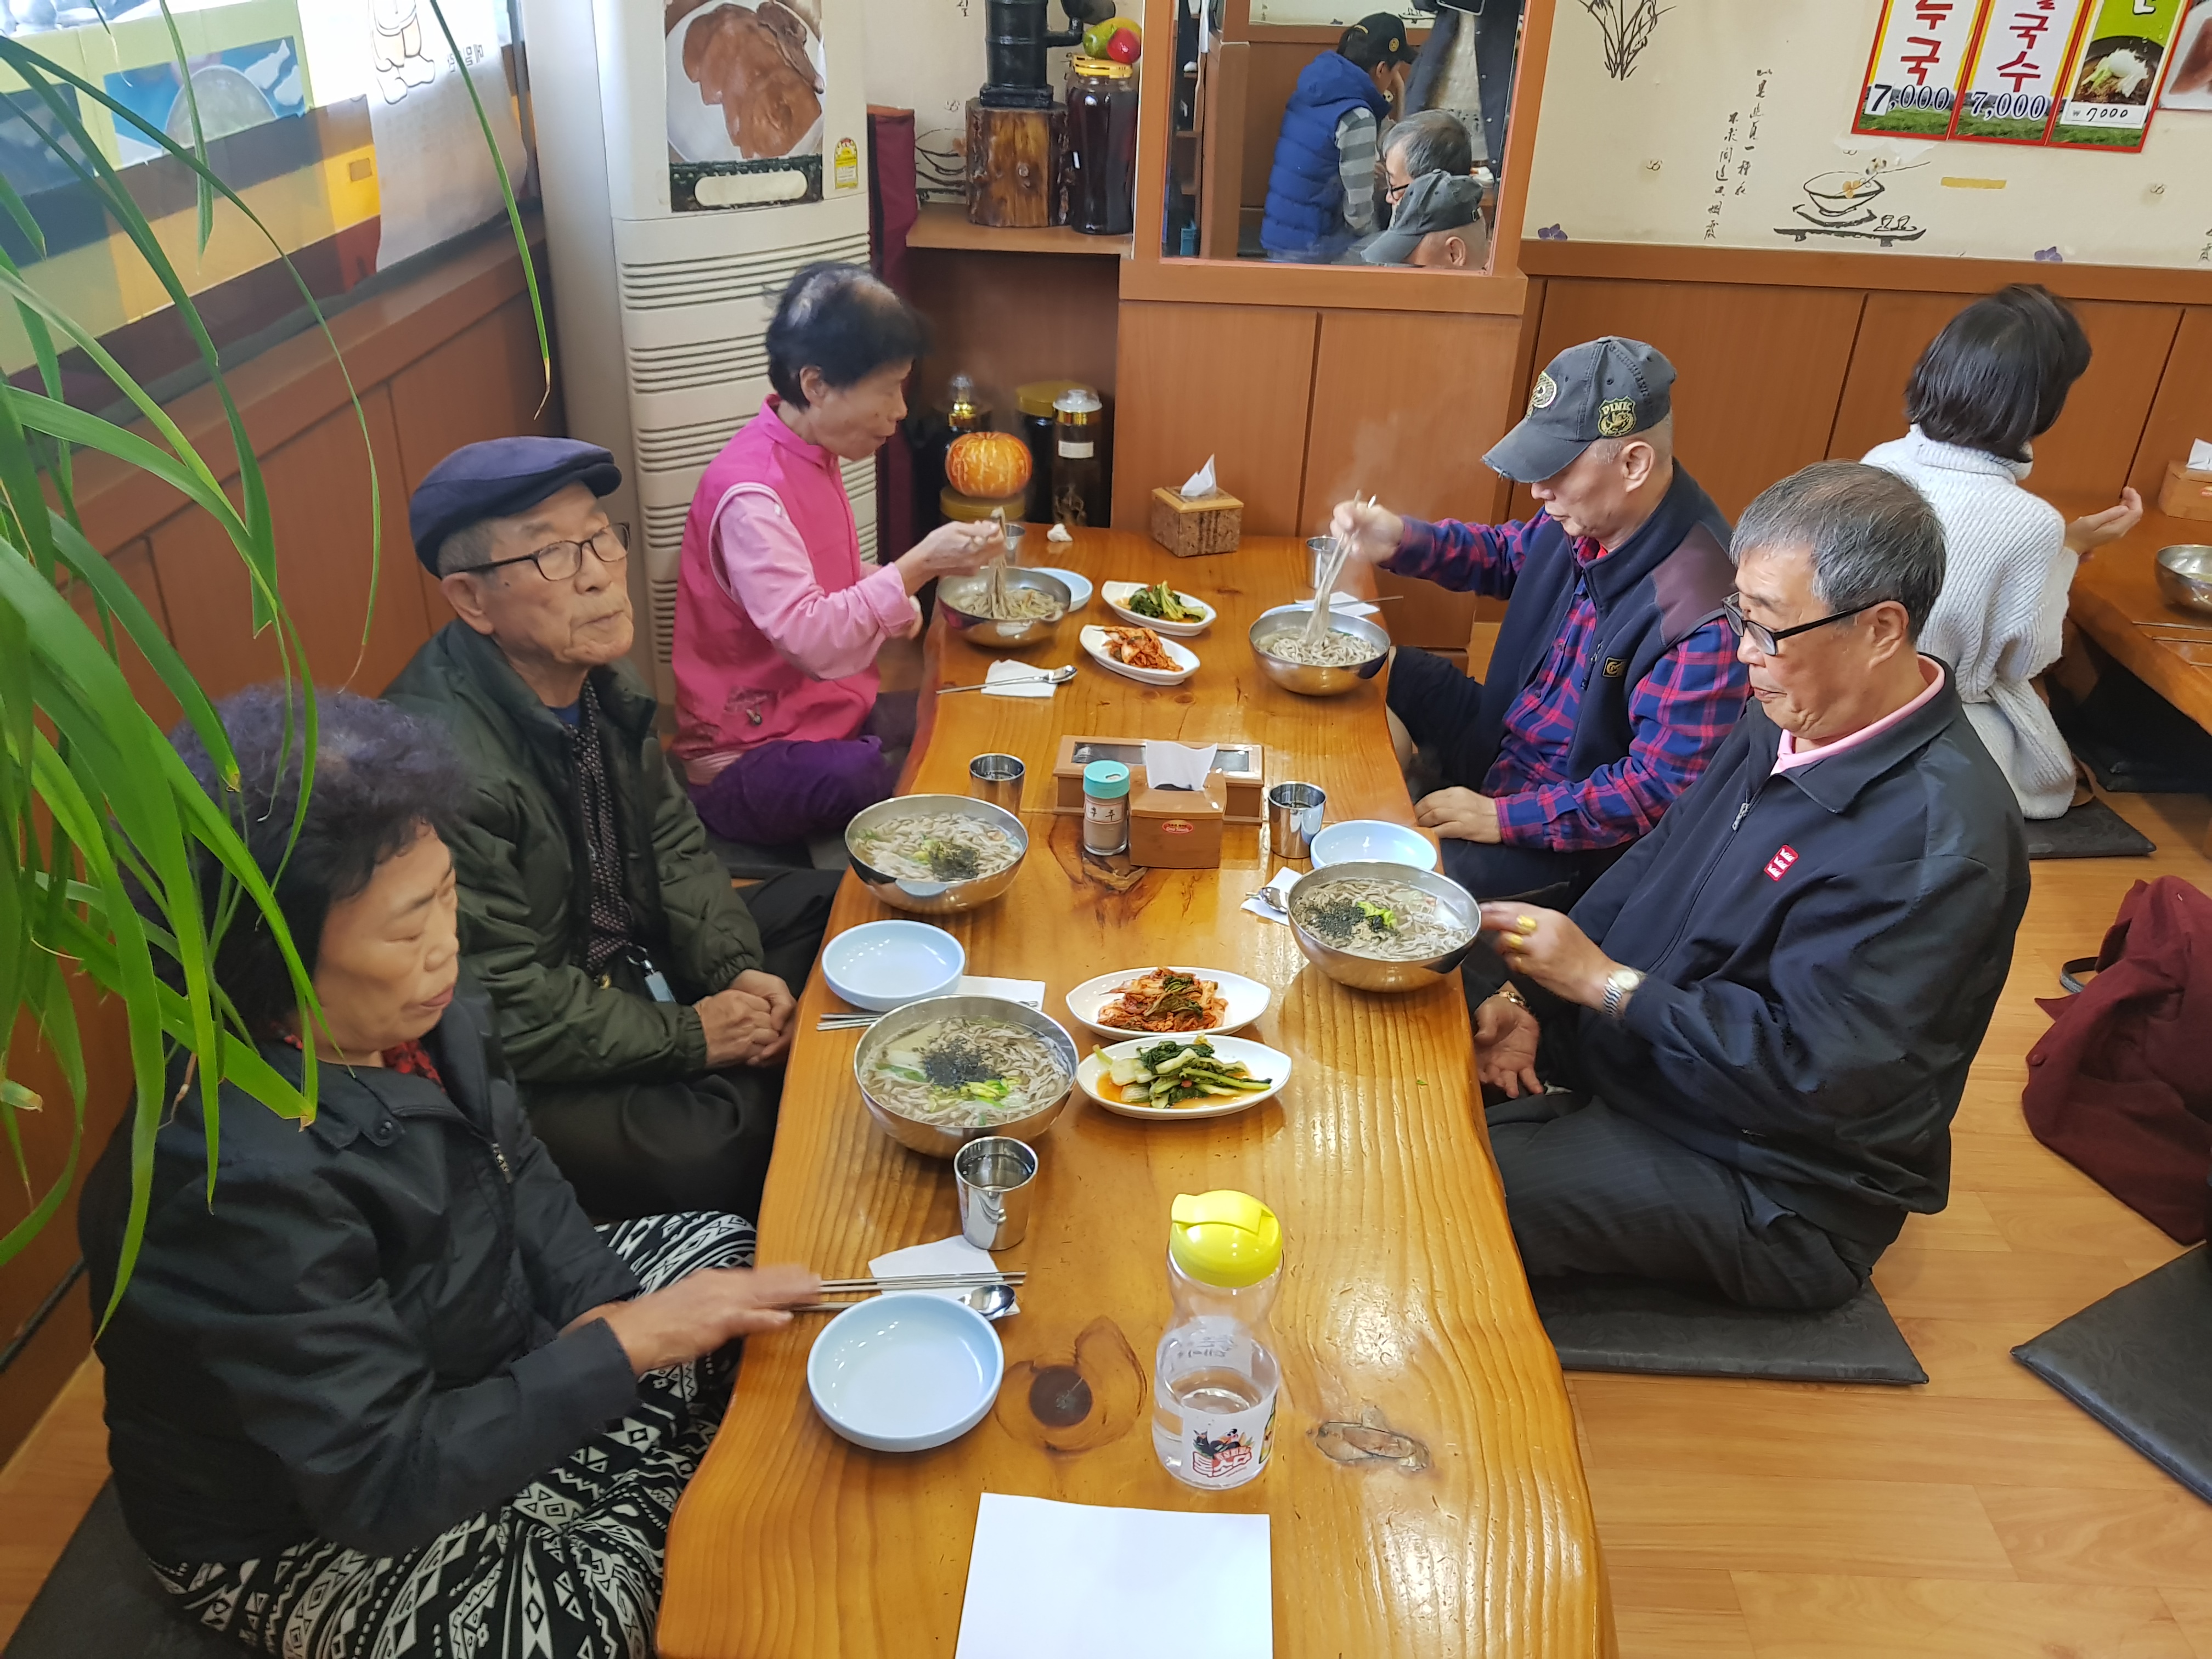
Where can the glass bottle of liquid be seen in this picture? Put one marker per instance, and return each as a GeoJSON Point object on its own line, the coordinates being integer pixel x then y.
{"type": "Point", "coordinates": [1105, 808]}
{"type": "Point", "coordinates": [1078, 472]}
{"type": "Point", "coordinates": [1215, 1380]}
{"type": "Point", "coordinates": [1098, 175]}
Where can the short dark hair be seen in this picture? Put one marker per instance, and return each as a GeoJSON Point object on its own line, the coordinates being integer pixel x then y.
{"type": "Point", "coordinates": [1435, 141]}
{"type": "Point", "coordinates": [381, 776]}
{"type": "Point", "coordinates": [1998, 374]}
{"type": "Point", "coordinates": [1871, 536]}
{"type": "Point", "coordinates": [840, 319]}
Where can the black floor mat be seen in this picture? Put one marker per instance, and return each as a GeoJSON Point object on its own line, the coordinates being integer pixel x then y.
{"type": "Point", "coordinates": [2135, 741]}
{"type": "Point", "coordinates": [100, 1599]}
{"type": "Point", "coordinates": [2139, 1362]}
{"type": "Point", "coordinates": [1632, 1325]}
{"type": "Point", "coordinates": [2091, 830]}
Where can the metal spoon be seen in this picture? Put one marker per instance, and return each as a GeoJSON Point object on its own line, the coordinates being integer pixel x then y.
{"type": "Point", "coordinates": [1050, 677]}
{"type": "Point", "coordinates": [1271, 900]}
{"type": "Point", "coordinates": [992, 1301]}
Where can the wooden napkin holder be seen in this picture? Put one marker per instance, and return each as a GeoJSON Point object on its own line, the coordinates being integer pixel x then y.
{"type": "Point", "coordinates": [1175, 829]}
{"type": "Point", "coordinates": [1213, 524]}
{"type": "Point", "coordinates": [1236, 788]}
{"type": "Point", "coordinates": [2186, 494]}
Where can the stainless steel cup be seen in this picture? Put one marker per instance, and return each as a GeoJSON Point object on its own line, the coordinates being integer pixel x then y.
{"type": "Point", "coordinates": [998, 779]}
{"type": "Point", "coordinates": [1014, 534]}
{"type": "Point", "coordinates": [1294, 812]}
{"type": "Point", "coordinates": [997, 1177]}
{"type": "Point", "coordinates": [1318, 548]}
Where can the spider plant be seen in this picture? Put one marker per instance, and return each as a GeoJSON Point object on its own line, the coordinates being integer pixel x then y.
{"type": "Point", "coordinates": [103, 833]}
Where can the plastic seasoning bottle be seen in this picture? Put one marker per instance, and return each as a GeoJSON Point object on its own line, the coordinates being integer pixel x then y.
{"type": "Point", "coordinates": [1215, 1381]}
{"type": "Point", "coordinates": [1105, 807]}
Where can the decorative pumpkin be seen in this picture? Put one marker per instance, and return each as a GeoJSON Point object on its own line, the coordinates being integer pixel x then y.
{"type": "Point", "coordinates": [991, 464]}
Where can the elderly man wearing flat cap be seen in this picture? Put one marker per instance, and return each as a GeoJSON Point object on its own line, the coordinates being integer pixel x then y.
{"type": "Point", "coordinates": [1438, 224]}
{"type": "Point", "coordinates": [644, 1005]}
{"type": "Point", "coordinates": [1614, 677]}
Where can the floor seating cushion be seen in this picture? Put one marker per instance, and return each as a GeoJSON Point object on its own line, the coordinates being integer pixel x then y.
{"type": "Point", "coordinates": [100, 1599]}
{"type": "Point", "coordinates": [2139, 1362]}
{"type": "Point", "coordinates": [2091, 830]}
{"type": "Point", "coordinates": [1634, 1325]}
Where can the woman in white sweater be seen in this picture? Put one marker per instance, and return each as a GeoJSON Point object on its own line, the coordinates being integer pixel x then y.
{"type": "Point", "coordinates": [1991, 382]}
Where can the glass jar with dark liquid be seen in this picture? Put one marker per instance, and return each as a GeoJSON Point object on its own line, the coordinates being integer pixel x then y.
{"type": "Point", "coordinates": [1098, 173]}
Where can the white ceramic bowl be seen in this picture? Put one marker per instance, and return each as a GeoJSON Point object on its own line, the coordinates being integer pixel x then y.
{"type": "Point", "coordinates": [1261, 1060]}
{"type": "Point", "coordinates": [1184, 659]}
{"type": "Point", "coordinates": [1117, 596]}
{"type": "Point", "coordinates": [904, 1372]}
{"type": "Point", "coordinates": [1077, 584]}
{"type": "Point", "coordinates": [882, 965]}
{"type": "Point", "coordinates": [1371, 841]}
{"type": "Point", "coordinates": [1247, 998]}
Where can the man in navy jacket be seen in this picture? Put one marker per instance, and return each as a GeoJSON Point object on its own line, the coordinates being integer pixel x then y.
{"type": "Point", "coordinates": [1766, 1011]}
{"type": "Point", "coordinates": [1614, 677]}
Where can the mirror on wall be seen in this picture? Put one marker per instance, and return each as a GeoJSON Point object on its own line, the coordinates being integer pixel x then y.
{"type": "Point", "coordinates": [1302, 135]}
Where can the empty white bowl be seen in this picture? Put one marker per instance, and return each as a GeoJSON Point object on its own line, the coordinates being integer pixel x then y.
{"type": "Point", "coordinates": [1077, 584]}
{"type": "Point", "coordinates": [882, 965]}
{"type": "Point", "coordinates": [1372, 841]}
{"type": "Point", "coordinates": [905, 1372]}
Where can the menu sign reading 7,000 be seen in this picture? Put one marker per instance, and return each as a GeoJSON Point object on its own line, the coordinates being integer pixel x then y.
{"type": "Point", "coordinates": [2012, 71]}
{"type": "Point", "coordinates": [1919, 57]}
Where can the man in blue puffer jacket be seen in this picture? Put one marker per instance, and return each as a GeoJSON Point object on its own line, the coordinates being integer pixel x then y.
{"type": "Point", "coordinates": [1320, 190]}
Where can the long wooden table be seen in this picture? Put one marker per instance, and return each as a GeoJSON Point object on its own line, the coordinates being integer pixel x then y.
{"type": "Point", "coordinates": [1403, 1304]}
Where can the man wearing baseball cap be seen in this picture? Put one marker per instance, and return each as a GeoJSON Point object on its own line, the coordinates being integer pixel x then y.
{"type": "Point", "coordinates": [1438, 223]}
{"type": "Point", "coordinates": [1321, 186]}
{"type": "Point", "coordinates": [645, 1004]}
{"type": "Point", "coordinates": [1614, 677]}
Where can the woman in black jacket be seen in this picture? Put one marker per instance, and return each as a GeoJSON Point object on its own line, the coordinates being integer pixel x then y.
{"type": "Point", "coordinates": [392, 1383]}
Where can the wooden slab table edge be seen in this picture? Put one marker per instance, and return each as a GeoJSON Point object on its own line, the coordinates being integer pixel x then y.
{"type": "Point", "coordinates": [1427, 1492]}
{"type": "Point", "coordinates": [2116, 602]}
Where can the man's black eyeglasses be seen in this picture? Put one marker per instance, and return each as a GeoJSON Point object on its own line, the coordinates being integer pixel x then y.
{"type": "Point", "coordinates": [1769, 640]}
{"type": "Point", "coordinates": [559, 561]}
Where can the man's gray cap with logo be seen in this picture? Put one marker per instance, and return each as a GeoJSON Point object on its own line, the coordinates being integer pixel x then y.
{"type": "Point", "coordinates": [1604, 388]}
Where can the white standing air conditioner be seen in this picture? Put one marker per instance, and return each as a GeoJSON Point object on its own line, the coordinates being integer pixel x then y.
{"type": "Point", "coordinates": [688, 171]}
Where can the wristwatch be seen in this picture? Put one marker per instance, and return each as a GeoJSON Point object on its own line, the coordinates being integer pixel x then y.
{"type": "Point", "coordinates": [1619, 985]}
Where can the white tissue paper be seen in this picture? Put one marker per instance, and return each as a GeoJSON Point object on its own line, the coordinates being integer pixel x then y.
{"type": "Point", "coordinates": [1286, 878]}
{"type": "Point", "coordinates": [1199, 486]}
{"type": "Point", "coordinates": [1178, 766]}
{"type": "Point", "coordinates": [1017, 679]}
{"type": "Point", "coordinates": [1343, 604]}
{"type": "Point", "coordinates": [2200, 456]}
{"type": "Point", "coordinates": [1057, 533]}
{"type": "Point", "coordinates": [1030, 992]}
{"type": "Point", "coordinates": [948, 1255]}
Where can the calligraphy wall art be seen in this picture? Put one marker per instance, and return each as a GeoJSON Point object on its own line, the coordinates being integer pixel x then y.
{"type": "Point", "coordinates": [1911, 84]}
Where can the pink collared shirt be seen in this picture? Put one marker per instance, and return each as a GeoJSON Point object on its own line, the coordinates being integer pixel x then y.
{"type": "Point", "coordinates": [1788, 757]}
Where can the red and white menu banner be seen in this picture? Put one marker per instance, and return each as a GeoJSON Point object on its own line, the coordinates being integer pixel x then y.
{"type": "Point", "coordinates": [1912, 79]}
{"type": "Point", "coordinates": [2010, 93]}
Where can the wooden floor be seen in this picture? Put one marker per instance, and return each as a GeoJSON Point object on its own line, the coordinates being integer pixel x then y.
{"type": "Point", "coordinates": [1981, 1515]}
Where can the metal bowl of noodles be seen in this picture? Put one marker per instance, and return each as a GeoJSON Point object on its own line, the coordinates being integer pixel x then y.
{"type": "Point", "coordinates": [1457, 917]}
{"type": "Point", "coordinates": [935, 854]}
{"type": "Point", "coordinates": [2184, 573]}
{"type": "Point", "coordinates": [965, 602]}
{"type": "Point", "coordinates": [951, 1129]}
{"type": "Point", "coordinates": [1313, 679]}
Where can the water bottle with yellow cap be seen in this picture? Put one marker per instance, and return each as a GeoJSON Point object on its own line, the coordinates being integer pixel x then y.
{"type": "Point", "coordinates": [1215, 1381]}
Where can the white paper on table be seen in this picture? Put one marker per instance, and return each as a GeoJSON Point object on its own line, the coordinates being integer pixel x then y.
{"type": "Point", "coordinates": [1017, 679]}
{"type": "Point", "coordinates": [2200, 452]}
{"type": "Point", "coordinates": [1057, 533]}
{"type": "Point", "coordinates": [1177, 765]}
{"type": "Point", "coordinates": [1341, 605]}
{"type": "Point", "coordinates": [1286, 878]}
{"type": "Point", "coordinates": [1081, 1580]}
{"type": "Point", "coordinates": [1199, 486]}
{"type": "Point", "coordinates": [948, 1255]}
{"type": "Point", "coordinates": [1030, 992]}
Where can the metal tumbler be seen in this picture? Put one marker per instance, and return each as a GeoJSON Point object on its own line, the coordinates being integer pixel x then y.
{"type": "Point", "coordinates": [1318, 548]}
{"type": "Point", "coordinates": [998, 779]}
{"type": "Point", "coordinates": [1294, 812]}
{"type": "Point", "coordinates": [997, 1177]}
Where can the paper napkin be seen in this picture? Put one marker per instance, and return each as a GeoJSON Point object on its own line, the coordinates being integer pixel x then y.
{"type": "Point", "coordinates": [1177, 765]}
{"type": "Point", "coordinates": [2200, 456]}
{"type": "Point", "coordinates": [1200, 486]}
{"type": "Point", "coordinates": [1286, 878]}
{"type": "Point", "coordinates": [948, 1255]}
{"type": "Point", "coordinates": [1057, 533]}
{"type": "Point", "coordinates": [1017, 679]}
{"type": "Point", "coordinates": [1030, 992]}
{"type": "Point", "coordinates": [1342, 605]}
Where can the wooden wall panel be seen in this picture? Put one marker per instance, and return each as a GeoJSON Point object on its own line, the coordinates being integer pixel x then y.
{"type": "Point", "coordinates": [319, 492]}
{"type": "Point", "coordinates": [134, 562]}
{"type": "Point", "coordinates": [1005, 319]}
{"type": "Point", "coordinates": [2181, 412]}
{"type": "Point", "coordinates": [2088, 453]}
{"type": "Point", "coordinates": [1230, 381]}
{"type": "Point", "coordinates": [1404, 406]}
{"type": "Point", "coordinates": [1759, 368]}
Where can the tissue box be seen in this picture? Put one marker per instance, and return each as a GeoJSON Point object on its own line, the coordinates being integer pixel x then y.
{"type": "Point", "coordinates": [1188, 529]}
{"type": "Point", "coordinates": [2184, 494]}
{"type": "Point", "coordinates": [1175, 829]}
{"type": "Point", "coordinates": [1239, 769]}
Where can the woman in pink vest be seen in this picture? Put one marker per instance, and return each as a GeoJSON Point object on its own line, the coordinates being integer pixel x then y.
{"type": "Point", "coordinates": [780, 727]}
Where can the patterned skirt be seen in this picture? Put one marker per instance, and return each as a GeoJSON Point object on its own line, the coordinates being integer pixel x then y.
{"type": "Point", "coordinates": [569, 1567]}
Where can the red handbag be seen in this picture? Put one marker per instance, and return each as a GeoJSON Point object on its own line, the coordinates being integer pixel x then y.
{"type": "Point", "coordinates": [2121, 1085]}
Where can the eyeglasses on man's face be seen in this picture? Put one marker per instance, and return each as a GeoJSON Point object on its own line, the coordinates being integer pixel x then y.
{"type": "Point", "coordinates": [559, 561]}
{"type": "Point", "coordinates": [1769, 640]}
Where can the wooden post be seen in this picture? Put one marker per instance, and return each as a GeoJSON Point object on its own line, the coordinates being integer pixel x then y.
{"type": "Point", "coordinates": [1011, 157]}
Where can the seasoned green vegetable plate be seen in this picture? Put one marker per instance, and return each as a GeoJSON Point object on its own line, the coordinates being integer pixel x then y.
{"type": "Point", "coordinates": [1149, 607]}
{"type": "Point", "coordinates": [1236, 1073]}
